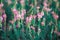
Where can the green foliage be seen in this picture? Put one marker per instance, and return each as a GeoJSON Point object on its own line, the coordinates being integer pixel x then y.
{"type": "Point", "coordinates": [24, 30]}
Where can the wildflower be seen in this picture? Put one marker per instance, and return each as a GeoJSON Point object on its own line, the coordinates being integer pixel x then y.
{"type": "Point", "coordinates": [45, 4]}
{"type": "Point", "coordinates": [23, 11]}
{"type": "Point", "coordinates": [4, 16]}
{"type": "Point", "coordinates": [34, 16]}
{"type": "Point", "coordinates": [11, 21]}
{"type": "Point", "coordinates": [31, 5]}
{"type": "Point", "coordinates": [22, 2]}
{"type": "Point", "coordinates": [42, 23]}
{"type": "Point", "coordinates": [28, 19]}
{"type": "Point", "coordinates": [39, 15]}
{"type": "Point", "coordinates": [22, 16]}
{"type": "Point", "coordinates": [53, 12]}
{"type": "Point", "coordinates": [32, 27]}
{"type": "Point", "coordinates": [58, 33]}
{"type": "Point", "coordinates": [17, 17]}
{"type": "Point", "coordinates": [38, 7]}
{"type": "Point", "coordinates": [47, 9]}
{"type": "Point", "coordinates": [9, 1]}
{"type": "Point", "coordinates": [55, 16]}
{"type": "Point", "coordinates": [15, 11]}
{"type": "Point", "coordinates": [1, 5]}
{"type": "Point", "coordinates": [42, 13]}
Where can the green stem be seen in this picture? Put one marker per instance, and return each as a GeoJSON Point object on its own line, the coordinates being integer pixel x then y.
{"type": "Point", "coordinates": [30, 10]}
{"type": "Point", "coordinates": [35, 2]}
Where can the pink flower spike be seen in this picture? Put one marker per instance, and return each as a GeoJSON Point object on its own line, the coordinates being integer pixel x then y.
{"type": "Point", "coordinates": [4, 15]}
{"type": "Point", "coordinates": [30, 18]}
{"type": "Point", "coordinates": [39, 15]}
{"type": "Point", "coordinates": [42, 13]}
{"type": "Point", "coordinates": [32, 27]}
{"type": "Point", "coordinates": [53, 12]}
{"type": "Point", "coordinates": [15, 11]}
{"type": "Point", "coordinates": [22, 16]}
{"type": "Point", "coordinates": [23, 11]}
{"type": "Point", "coordinates": [22, 1]}
{"type": "Point", "coordinates": [18, 17]}
{"type": "Point", "coordinates": [45, 4]}
{"type": "Point", "coordinates": [1, 5]}
{"type": "Point", "coordinates": [55, 16]}
{"type": "Point", "coordinates": [47, 9]}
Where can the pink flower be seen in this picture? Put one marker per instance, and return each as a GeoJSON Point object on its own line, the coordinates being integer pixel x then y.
{"type": "Point", "coordinates": [38, 7]}
{"type": "Point", "coordinates": [32, 27]}
{"type": "Point", "coordinates": [9, 2]}
{"type": "Point", "coordinates": [45, 4]}
{"type": "Point", "coordinates": [42, 13]}
{"type": "Point", "coordinates": [39, 15]}
{"type": "Point", "coordinates": [55, 16]}
{"type": "Point", "coordinates": [58, 33]}
{"type": "Point", "coordinates": [23, 11]}
{"type": "Point", "coordinates": [42, 23]}
{"type": "Point", "coordinates": [47, 9]}
{"type": "Point", "coordinates": [22, 16]}
{"type": "Point", "coordinates": [22, 1]}
{"type": "Point", "coordinates": [31, 5]}
{"type": "Point", "coordinates": [28, 19]}
{"type": "Point", "coordinates": [4, 16]}
{"type": "Point", "coordinates": [45, 0]}
{"type": "Point", "coordinates": [15, 11]}
{"type": "Point", "coordinates": [17, 17]}
{"type": "Point", "coordinates": [53, 12]}
{"type": "Point", "coordinates": [11, 21]}
{"type": "Point", "coordinates": [1, 5]}
{"type": "Point", "coordinates": [34, 16]}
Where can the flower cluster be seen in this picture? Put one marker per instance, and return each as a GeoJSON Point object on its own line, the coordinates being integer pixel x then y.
{"type": "Point", "coordinates": [29, 19]}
